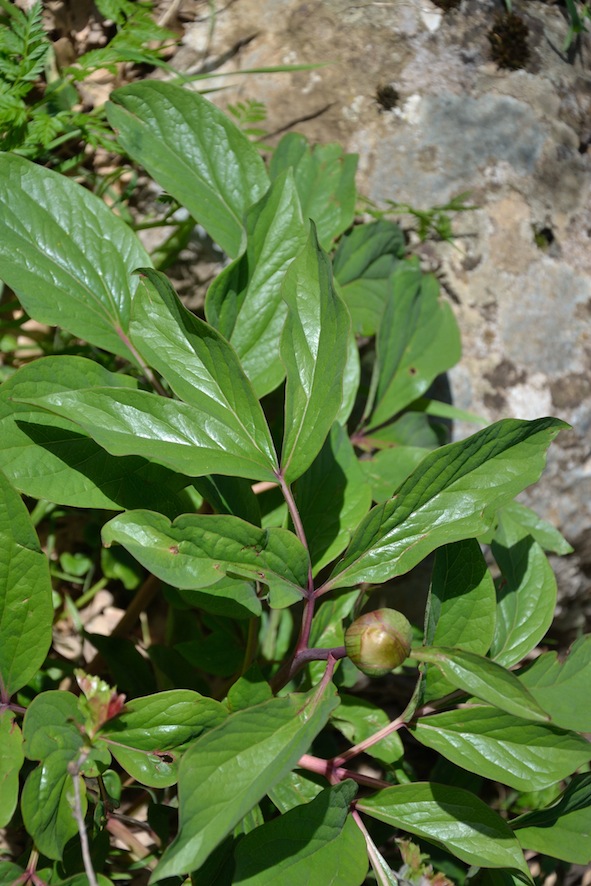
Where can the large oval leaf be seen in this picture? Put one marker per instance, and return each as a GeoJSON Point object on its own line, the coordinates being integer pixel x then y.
{"type": "Point", "coordinates": [451, 818]}
{"type": "Point", "coordinates": [196, 550]}
{"type": "Point", "coordinates": [227, 770]}
{"type": "Point", "coordinates": [194, 152]}
{"type": "Point", "coordinates": [453, 494]}
{"type": "Point", "coordinates": [68, 258]}
{"type": "Point", "coordinates": [46, 456]}
{"type": "Point", "coordinates": [527, 756]}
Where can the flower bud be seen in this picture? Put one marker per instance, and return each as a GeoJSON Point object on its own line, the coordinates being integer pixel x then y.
{"type": "Point", "coordinates": [379, 641]}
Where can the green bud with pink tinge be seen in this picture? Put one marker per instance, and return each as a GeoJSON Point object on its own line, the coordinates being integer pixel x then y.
{"type": "Point", "coordinates": [379, 641]}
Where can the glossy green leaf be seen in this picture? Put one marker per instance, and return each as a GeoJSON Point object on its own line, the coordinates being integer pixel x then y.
{"type": "Point", "coordinates": [174, 434]}
{"type": "Point", "coordinates": [563, 830]}
{"type": "Point", "coordinates": [452, 819]}
{"type": "Point", "coordinates": [226, 771]}
{"type": "Point", "coordinates": [526, 592]}
{"type": "Point", "coordinates": [295, 789]}
{"type": "Point", "coordinates": [11, 760]}
{"type": "Point", "coordinates": [563, 688]}
{"type": "Point", "coordinates": [67, 256]}
{"type": "Point", "coordinates": [358, 719]}
{"type": "Point", "coordinates": [332, 497]}
{"type": "Point", "coordinates": [49, 457]}
{"type": "Point", "coordinates": [417, 340]}
{"type": "Point", "coordinates": [325, 181]}
{"type": "Point", "coordinates": [196, 550]}
{"type": "Point", "coordinates": [229, 597]}
{"type": "Point", "coordinates": [194, 152]}
{"type": "Point", "coordinates": [504, 748]}
{"type": "Point", "coordinates": [200, 366]}
{"type": "Point", "coordinates": [244, 302]}
{"type": "Point", "coordinates": [388, 469]}
{"type": "Point", "coordinates": [483, 678]}
{"type": "Point", "coordinates": [9, 873]}
{"type": "Point", "coordinates": [453, 494]}
{"type": "Point", "coordinates": [363, 263]}
{"type": "Point", "coordinates": [26, 611]}
{"type": "Point", "coordinates": [249, 690]}
{"type": "Point", "coordinates": [546, 535]}
{"type": "Point", "coordinates": [51, 730]}
{"type": "Point", "coordinates": [351, 380]}
{"type": "Point", "coordinates": [230, 495]}
{"type": "Point", "coordinates": [318, 842]}
{"type": "Point", "coordinates": [314, 346]}
{"type": "Point", "coordinates": [162, 724]}
{"type": "Point", "coordinates": [461, 607]}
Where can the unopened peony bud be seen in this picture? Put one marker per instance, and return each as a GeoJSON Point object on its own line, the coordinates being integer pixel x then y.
{"type": "Point", "coordinates": [379, 641]}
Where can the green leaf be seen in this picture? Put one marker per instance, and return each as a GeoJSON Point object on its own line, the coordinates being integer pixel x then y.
{"type": "Point", "coordinates": [200, 366]}
{"type": "Point", "coordinates": [26, 611]}
{"type": "Point", "coordinates": [389, 468]}
{"type": "Point", "coordinates": [511, 750]}
{"type": "Point", "coordinates": [52, 734]}
{"type": "Point", "coordinates": [418, 339]}
{"type": "Point", "coordinates": [332, 498]}
{"type": "Point", "coordinates": [563, 830]}
{"type": "Point", "coordinates": [249, 690]}
{"type": "Point", "coordinates": [325, 180]}
{"type": "Point", "coordinates": [452, 819]}
{"type": "Point", "coordinates": [483, 678]}
{"type": "Point", "coordinates": [229, 769]}
{"type": "Point", "coordinates": [244, 302]}
{"type": "Point", "coordinates": [66, 254]}
{"type": "Point", "coordinates": [230, 597]}
{"type": "Point", "coordinates": [461, 607]}
{"type": "Point", "coordinates": [358, 719]}
{"type": "Point", "coordinates": [163, 724]}
{"type": "Point", "coordinates": [196, 550]}
{"type": "Point", "coordinates": [549, 538]}
{"type": "Point", "coordinates": [563, 688]}
{"type": "Point", "coordinates": [453, 494]}
{"type": "Point", "coordinates": [318, 842]}
{"type": "Point", "coordinates": [175, 434]}
{"type": "Point", "coordinates": [363, 263]}
{"type": "Point", "coordinates": [48, 457]}
{"type": "Point", "coordinates": [526, 592]}
{"type": "Point", "coordinates": [351, 379]}
{"type": "Point", "coordinates": [293, 790]}
{"type": "Point", "coordinates": [314, 347]}
{"type": "Point", "coordinates": [194, 152]}
{"type": "Point", "coordinates": [11, 760]}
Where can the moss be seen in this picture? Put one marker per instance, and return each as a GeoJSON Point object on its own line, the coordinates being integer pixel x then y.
{"type": "Point", "coordinates": [508, 41]}
{"type": "Point", "coordinates": [387, 97]}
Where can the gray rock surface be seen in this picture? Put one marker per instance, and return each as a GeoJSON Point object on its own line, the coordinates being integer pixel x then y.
{"type": "Point", "coordinates": [517, 140]}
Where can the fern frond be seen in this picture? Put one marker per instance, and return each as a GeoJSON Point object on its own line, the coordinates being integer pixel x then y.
{"type": "Point", "coordinates": [23, 44]}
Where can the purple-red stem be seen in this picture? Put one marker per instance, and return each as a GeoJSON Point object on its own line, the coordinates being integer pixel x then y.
{"type": "Point", "coordinates": [335, 774]}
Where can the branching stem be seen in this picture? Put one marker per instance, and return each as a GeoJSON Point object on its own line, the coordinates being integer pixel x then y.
{"type": "Point", "coordinates": [335, 774]}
